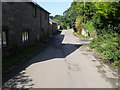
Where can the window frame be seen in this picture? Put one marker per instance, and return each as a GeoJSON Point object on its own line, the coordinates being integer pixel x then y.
{"type": "Point", "coordinates": [25, 36]}
{"type": "Point", "coordinates": [6, 39]}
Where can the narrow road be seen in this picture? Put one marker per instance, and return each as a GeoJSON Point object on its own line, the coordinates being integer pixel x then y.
{"type": "Point", "coordinates": [65, 63]}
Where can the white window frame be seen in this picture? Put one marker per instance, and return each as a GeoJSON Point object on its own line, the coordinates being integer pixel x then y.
{"type": "Point", "coordinates": [25, 36]}
{"type": "Point", "coordinates": [4, 39]}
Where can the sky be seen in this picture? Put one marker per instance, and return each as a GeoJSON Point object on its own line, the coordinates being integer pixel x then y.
{"type": "Point", "coordinates": [55, 8]}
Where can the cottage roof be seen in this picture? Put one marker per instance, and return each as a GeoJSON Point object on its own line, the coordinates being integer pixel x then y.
{"type": "Point", "coordinates": [51, 20]}
{"type": "Point", "coordinates": [39, 6]}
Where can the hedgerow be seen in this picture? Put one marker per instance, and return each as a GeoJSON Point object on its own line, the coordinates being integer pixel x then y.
{"type": "Point", "coordinates": [108, 44]}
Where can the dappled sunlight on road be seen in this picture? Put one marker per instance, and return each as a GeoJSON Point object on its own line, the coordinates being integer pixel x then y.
{"type": "Point", "coordinates": [65, 63]}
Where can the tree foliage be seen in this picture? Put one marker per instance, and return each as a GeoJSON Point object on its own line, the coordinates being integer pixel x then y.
{"type": "Point", "coordinates": [79, 23]}
{"type": "Point", "coordinates": [104, 17]}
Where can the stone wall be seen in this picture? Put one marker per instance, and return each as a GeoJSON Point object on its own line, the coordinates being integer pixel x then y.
{"type": "Point", "coordinates": [20, 16]}
{"type": "Point", "coordinates": [54, 26]}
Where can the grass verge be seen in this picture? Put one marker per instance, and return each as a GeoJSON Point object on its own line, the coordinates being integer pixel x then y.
{"type": "Point", "coordinates": [79, 35]}
{"type": "Point", "coordinates": [19, 57]}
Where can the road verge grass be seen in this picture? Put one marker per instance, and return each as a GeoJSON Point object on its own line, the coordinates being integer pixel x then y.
{"type": "Point", "coordinates": [13, 60]}
{"type": "Point", "coordinates": [79, 35]}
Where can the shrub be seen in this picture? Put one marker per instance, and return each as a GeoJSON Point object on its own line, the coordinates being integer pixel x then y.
{"type": "Point", "coordinates": [117, 63]}
{"type": "Point", "coordinates": [108, 44]}
{"type": "Point", "coordinates": [79, 23]}
{"type": "Point", "coordinates": [89, 26]}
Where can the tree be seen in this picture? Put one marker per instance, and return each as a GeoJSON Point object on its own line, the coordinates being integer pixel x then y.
{"type": "Point", "coordinates": [79, 23]}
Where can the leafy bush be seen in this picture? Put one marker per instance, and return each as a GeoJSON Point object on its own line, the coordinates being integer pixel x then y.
{"type": "Point", "coordinates": [63, 25]}
{"type": "Point", "coordinates": [108, 45]}
{"type": "Point", "coordinates": [79, 23]}
{"type": "Point", "coordinates": [117, 63]}
{"type": "Point", "coordinates": [89, 26]}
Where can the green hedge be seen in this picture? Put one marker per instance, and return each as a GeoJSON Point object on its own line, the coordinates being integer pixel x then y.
{"type": "Point", "coordinates": [108, 44]}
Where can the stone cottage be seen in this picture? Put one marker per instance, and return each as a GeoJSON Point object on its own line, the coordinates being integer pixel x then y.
{"type": "Point", "coordinates": [53, 27]}
{"type": "Point", "coordinates": [23, 24]}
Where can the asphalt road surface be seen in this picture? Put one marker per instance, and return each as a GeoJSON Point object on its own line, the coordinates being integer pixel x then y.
{"type": "Point", "coordinates": [65, 63]}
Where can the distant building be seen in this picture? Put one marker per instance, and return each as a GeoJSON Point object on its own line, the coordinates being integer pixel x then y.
{"type": "Point", "coordinates": [23, 24]}
{"type": "Point", "coordinates": [53, 27]}
{"type": "Point", "coordinates": [58, 27]}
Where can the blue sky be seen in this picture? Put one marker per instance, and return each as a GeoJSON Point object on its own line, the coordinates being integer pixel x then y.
{"type": "Point", "coordinates": [55, 8]}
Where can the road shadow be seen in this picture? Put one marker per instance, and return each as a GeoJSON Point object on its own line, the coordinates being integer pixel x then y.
{"type": "Point", "coordinates": [21, 80]}
{"type": "Point", "coordinates": [55, 49]}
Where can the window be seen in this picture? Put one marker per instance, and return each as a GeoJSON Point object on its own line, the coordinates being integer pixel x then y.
{"type": "Point", "coordinates": [34, 12]}
{"type": "Point", "coordinates": [4, 39]}
{"type": "Point", "coordinates": [25, 36]}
